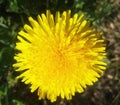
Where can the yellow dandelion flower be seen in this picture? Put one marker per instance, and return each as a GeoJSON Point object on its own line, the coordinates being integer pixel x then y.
{"type": "Point", "coordinates": [59, 56]}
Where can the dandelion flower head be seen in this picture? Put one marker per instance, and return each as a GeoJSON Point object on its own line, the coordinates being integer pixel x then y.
{"type": "Point", "coordinates": [59, 55]}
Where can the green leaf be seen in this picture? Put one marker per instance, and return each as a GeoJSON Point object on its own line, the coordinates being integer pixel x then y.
{"type": "Point", "coordinates": [13, 6]}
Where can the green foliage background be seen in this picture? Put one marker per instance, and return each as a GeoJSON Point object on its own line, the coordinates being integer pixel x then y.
{"type": "Point", "coordinates": [13, 15]}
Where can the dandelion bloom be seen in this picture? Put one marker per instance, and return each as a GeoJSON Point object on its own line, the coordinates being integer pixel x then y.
{"type": "Point", "coordinates": [59, 56]}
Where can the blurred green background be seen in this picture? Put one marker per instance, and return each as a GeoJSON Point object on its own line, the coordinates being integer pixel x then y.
{"type": "Point", "coordinates": [105, 16]}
